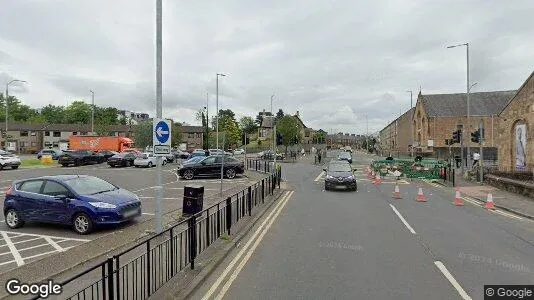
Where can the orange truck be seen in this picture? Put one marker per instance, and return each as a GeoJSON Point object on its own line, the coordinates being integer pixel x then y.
{"type": "Point", "coordinates": [100, 143]}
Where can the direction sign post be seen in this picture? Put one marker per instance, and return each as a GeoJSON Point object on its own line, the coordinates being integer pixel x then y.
{"type": "Point", "coordinates": [161, 140]}
{"type": "Point", "coordinates": [159, 95]}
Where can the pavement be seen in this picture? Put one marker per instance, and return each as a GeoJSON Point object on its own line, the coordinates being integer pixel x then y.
{"type": "Point", "coordinates": [367, 245]}
{"type": "Point", "coordinates": [36, 241]}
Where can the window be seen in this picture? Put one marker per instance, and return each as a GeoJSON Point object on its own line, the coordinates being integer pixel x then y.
{"type": "Point", "coordinates": [34, 144]}
{"type": "Point", "coordinates": [199, 135]}
{"type": "Point", "coordinates": [209, 160]}
{"type": "Point", "coordinates": [24, 133]}
{"type": "Point", "coordinates": [89, 185]}
{"type": "Point", "coordinates": [83, 133]}
{"type": "Point", "coordinates": [52, 188]}
{"type": "Point", "coordinates": [23, 144]}
{"type": "Point", "coordinates": [33, 133]}
{"type": "Point", "coordinates": [57, 134]}
{"type": "Point", "coordinates": [33, 186]}
{"type": "Point", "coordinates": [190, 135]}
{"type": "Point", "coordinates": [47, 133]}
{"type": "Point", "coordinates": [74, 133]}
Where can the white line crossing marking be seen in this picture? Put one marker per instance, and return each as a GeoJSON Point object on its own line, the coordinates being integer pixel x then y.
{"type": "Point", "coordinates": [45, 253]}
{"type": "Point", "coordinates": [54, 244]}
{"type": "Point", "coordinates": [319, 176]}
{"type": "Point", "coordinates": [33, 247]}
{"type": "Point", "coordinates": [7, 262]}
{"type": "Point", "coordinates": [12, 248]}
{"type": "Point", "coordinates": [451, 279]}
{"type": "Point", "coordinates": [42, 236]}
{"type": "Point", "coordinates": [148, 214]}
{"type": "Point", "coordinates": [402, 219]}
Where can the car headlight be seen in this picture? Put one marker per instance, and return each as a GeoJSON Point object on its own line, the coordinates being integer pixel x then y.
{"type": "Point", "coordinates": [350, 177]}
{"type": "Point", "coordinates": [329, 176]}
{"type": "Point", "coordinates": [103, 205]}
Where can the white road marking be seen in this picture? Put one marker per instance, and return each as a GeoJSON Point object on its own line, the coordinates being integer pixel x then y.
{"type": "Point", "coordinates": [43, 236]}
{"type": "Point", "coordinates": [451, 279]}
{"type": "Point", "coordinates": [7, 262]}
{"type": "Point", "coordinates": [45, 253]}
{"type": "Point", "coordinates": [165, 198]}
{"type": "Point", "coordinates": [251, 250]}
{"type": "Point", "coordinates": [148, 214]}
{"type": "Point", "coordinates": [507, 214]}
{"type": "Point", "coordinates": [54, 244]}
{"type": "Point", "coordinates": [319, 176]}
{"type": "Point", "coordinates": [238, 256]}
{"type": "Point", "coordinates": [402, 219]}
{"type": "Point", "coordinates": [20, 242]}
{"type": "Point", "coordinates": [12, 248]}
{"type": "Point", "coordinates": [33, 247]}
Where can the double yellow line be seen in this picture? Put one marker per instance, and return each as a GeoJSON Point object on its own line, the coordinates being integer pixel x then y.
{"type": "Point", "coordinates": [243, 257]}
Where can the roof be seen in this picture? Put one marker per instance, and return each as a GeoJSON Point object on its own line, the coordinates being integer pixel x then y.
{"type": "Point", "coordinates": [517, 92]}
{"type": "Point", "coordinates": [267, 122]}
{"type": "Point", "coordinates": [188, 129]}
{"type": "Point", "coordinates": [300, 120]}
{"type": "Point", "coordinates": [411, 110]}
{"type": "Point", "coordinates": [481, 104]}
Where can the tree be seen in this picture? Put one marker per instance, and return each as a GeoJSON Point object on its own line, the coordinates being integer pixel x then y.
{"type": "Point", "coordinates": [224, 116]}
{"type": "Point", "coordinates": [101, 130]}
{"type": "Point", "coordinates": [37, 119]}
{"type": "Point", "coordinates": [78, 112]}
{"type": "Point", "coordinates": [259, 117]}
{"type": "Point", "coordinates": [143, 134]}
{"type": "Point", "coordinates": [106, 116]}
{"type": "Point", "coordinates": [246, 124]}
{"type": "Point", "coordinates": [53, 114]}
{"type": "Point", "coordinates": [279, 115]}
{"type": "Point", "coordinates": [319, 137]}
{"type": "Point", "coordinates": [233, 133]}
{"type": "Point", "coordinates": [176, 133]}
{"type": "Point", "coordinates": [289, 127]}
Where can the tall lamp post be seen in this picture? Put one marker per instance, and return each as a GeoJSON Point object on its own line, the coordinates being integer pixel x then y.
{"type": "Point", "coordinates": [411, 124]}
{"type": "Point", "coordinates": [217, 105]}
{"type": "Point", "coordinates": [468, 102]}
{"type": "Point", "coordinates": [7, 97]}
{"type": "Point", "coordinates": [207, 121]}
{"type": "Point", "coordinates": [92, 112]}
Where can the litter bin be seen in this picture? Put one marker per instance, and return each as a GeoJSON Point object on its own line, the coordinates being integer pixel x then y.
{"type": "Point", "coordinates": [193, 199]}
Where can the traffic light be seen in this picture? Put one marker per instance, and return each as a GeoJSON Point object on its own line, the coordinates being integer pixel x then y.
{"type": "Point", "coordinates": [456, 136]}
{"type": "Point", "coordinates": [279, 139]}
{"type": "Point", "coordinates": [475, 136]}
{"type": "Point", "coordinates": [448, 142]}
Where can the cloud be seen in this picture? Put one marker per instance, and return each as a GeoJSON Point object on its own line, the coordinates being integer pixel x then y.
{"type": "Point", "coordinates": [333, 61]}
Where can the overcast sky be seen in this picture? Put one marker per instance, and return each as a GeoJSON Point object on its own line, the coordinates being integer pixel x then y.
{"type": "Point", "coordinates": [334, 61]}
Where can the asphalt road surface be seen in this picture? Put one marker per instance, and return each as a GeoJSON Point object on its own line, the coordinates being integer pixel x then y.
{"type": "Point", "coordinates": [35, 241]}
{"type": "Point", "coordinates": [366, 245]}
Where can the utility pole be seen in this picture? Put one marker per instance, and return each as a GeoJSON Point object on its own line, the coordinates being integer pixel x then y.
{"type": "Point", "coordinates": [480, 145]}
{"type": "Point", "coordinates": [7, 105]}
{"type": "Point", "coordinates": [274, 145]}
{"type": "Point", "coordinates": [207, 121]}
{"type": "Point", "coordinates": [222, 164]}
{"type": "Point", "coordinates": [92, 112]}
{"type": "Point", "coordinates": [217, 106]}
{"type": "Point", "coordinates": [159, 77]}
{"type": "Point", "coordinates": [367, 134]}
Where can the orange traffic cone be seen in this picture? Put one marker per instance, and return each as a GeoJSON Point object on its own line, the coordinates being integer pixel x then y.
{"type": "Point", "coordinates": [420, 196]}
{"type": "Point", "coordinates": [458, 201]}
{"type": "Point", "coordinates": [489, 202]}
{"type": "Point", "coordinates": [396, 192]}
{"type": "Point", "coordinates": [372, 175]}
{"type": "Point", "coordinates": [378, 180]}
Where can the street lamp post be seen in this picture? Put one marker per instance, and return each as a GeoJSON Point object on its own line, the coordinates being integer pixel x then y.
{"type": "Point", "coordinates": [207, 121]}
{"type": "Point", "coordinates": [217, 106]}
{"type": "Point", "coordinates": [468, 102]}
{"type": "Point", "coordinates": [7, 97]}
{"type": "Point", "coordinates": [92, 111]}
{"type": "Point", "coordinates": [411, 124]}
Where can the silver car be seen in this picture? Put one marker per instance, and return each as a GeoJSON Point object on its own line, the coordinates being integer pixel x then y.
{"type": "Point", "coordinates": [147, 159]}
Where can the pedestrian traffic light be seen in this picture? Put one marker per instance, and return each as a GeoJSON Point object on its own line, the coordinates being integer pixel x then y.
{"type": "Point", "coordinates": [447, 142]}
{"type": "Point", "coordinates": [279, 139]}
{"type": "Point", "coordinates": [475, 136]}
{"type": "Point", "coordinates": [456, 136]}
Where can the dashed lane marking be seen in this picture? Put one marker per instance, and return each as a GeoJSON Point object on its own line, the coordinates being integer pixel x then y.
{"type": "Point", "coordinates": [402, 219]}
{"type": "Point", "coordinates": [319, 176]}
{"type": "Point", "coordinates": [451, 279]}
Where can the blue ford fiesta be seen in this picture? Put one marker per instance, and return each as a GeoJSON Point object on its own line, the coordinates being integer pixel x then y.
{"type": "Point", "coordinates": [78, 200]}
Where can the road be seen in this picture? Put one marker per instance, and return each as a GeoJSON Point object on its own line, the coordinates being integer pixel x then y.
{"type": "Point", "coordinates": [35, 241]}
{"type": "Point", "coordinates": [366, 245]}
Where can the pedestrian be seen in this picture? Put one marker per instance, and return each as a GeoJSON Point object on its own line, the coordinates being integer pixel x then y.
{"type": "Point", "coordinates": [319, 156]}
{"type": "Point", "coordinates": [476, 159]}
{"type": "Point", "coordinates": [207, 152]}
{"type": "Point", "coordinates": [302, 152]}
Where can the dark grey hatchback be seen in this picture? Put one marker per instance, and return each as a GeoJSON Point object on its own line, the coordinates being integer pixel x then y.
{"type": "Point", "coordinates": [340, 175]}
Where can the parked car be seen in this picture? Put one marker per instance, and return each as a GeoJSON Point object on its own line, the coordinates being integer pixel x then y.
{"type": "Point", "coordinates": [55, 153]}
{"type": "Point", "coordinates": [196, 159]}
{"type": "Point", "coordinates": [80, 158]}
{"type": "Point", "coordinates": [195, 153]}
{"type": "Point", "coordinates": [211, 166]}
{"type": "Point", "coordinates": [215, 151]}
{"type": "Point", "coordinates": [239, 151]}
{"type": "Point", "coordinates": [180, 154]}
{"type": "Point", "coordinates": [269, 155]}
{"type": "Point", "coordinates": [340, 174]}
{"type": "Point", "coordinates": [132, 150]}
{"type": "Point", "coordinates": [107, 153]}
{"type": "Point", "coordinates": [147, 159]}
{"type": "Point", "coordinates": [169, 158]}
{"type": "Point", "coordinates": [8, 160]}
{"type": "Point", "coordinates": [125, 159]}
{"type": "Point", "coordinates": [81, 201]}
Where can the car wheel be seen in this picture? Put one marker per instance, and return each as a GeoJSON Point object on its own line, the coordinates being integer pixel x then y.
{"type": "Point", "coordinates": [149, 164]}
{"type": "Point", "coordinates": [82, 223]}
{"type": "Point", "coordinates": [14, 167]}
{"type": "Point", "coordinates": [13, 219]}
{"type": "Point", "coordinates": [188, 174]}
{"type": "Point", "coordinates": [325, 187]}
{"type": "Point", "coordinates": [64, 165]}
{"type": "Point", "coordinates": [230, 173]}
{"type": "Point", "coordinates": [128, 163]}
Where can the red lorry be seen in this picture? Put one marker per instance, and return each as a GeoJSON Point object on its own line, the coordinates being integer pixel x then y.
{"type": "Point", "coordinates": [100, 143]}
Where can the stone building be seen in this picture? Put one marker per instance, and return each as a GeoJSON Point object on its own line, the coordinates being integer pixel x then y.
{"type": "Point", "coordinates": [436, 118]}
{"type": "Point", "coordinates": [395, 138]}
{"type": "Point", "coordinates": [516, 136]}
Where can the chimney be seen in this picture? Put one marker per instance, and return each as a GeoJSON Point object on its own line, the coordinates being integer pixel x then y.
{"type": "Point", "coordinates": [298, 114]}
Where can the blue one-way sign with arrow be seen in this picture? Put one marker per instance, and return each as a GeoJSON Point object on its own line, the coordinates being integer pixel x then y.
{"type": "Point", "coordinates": [161, 132]}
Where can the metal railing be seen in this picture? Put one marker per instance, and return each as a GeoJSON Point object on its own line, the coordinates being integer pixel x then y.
{"type": "Point", "coordinates": [139, 271]}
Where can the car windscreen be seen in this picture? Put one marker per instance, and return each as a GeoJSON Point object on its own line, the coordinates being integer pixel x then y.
{"type": "Point", "coordinates": [144, 156]}
{"type": "Point", "coordinates": [344, 155]}
{"type": "Point", "coordinates": [120, 155]}
{"type": "Point", "coordinates": [194, 159]}
{"type": "Point", "coordinates": [89, 185]}
{"type": "Point", "coordinates": [339, 168]}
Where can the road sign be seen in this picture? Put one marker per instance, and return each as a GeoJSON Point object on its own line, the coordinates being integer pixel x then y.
{"type": "Point", "coordinates": [161, 140]}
